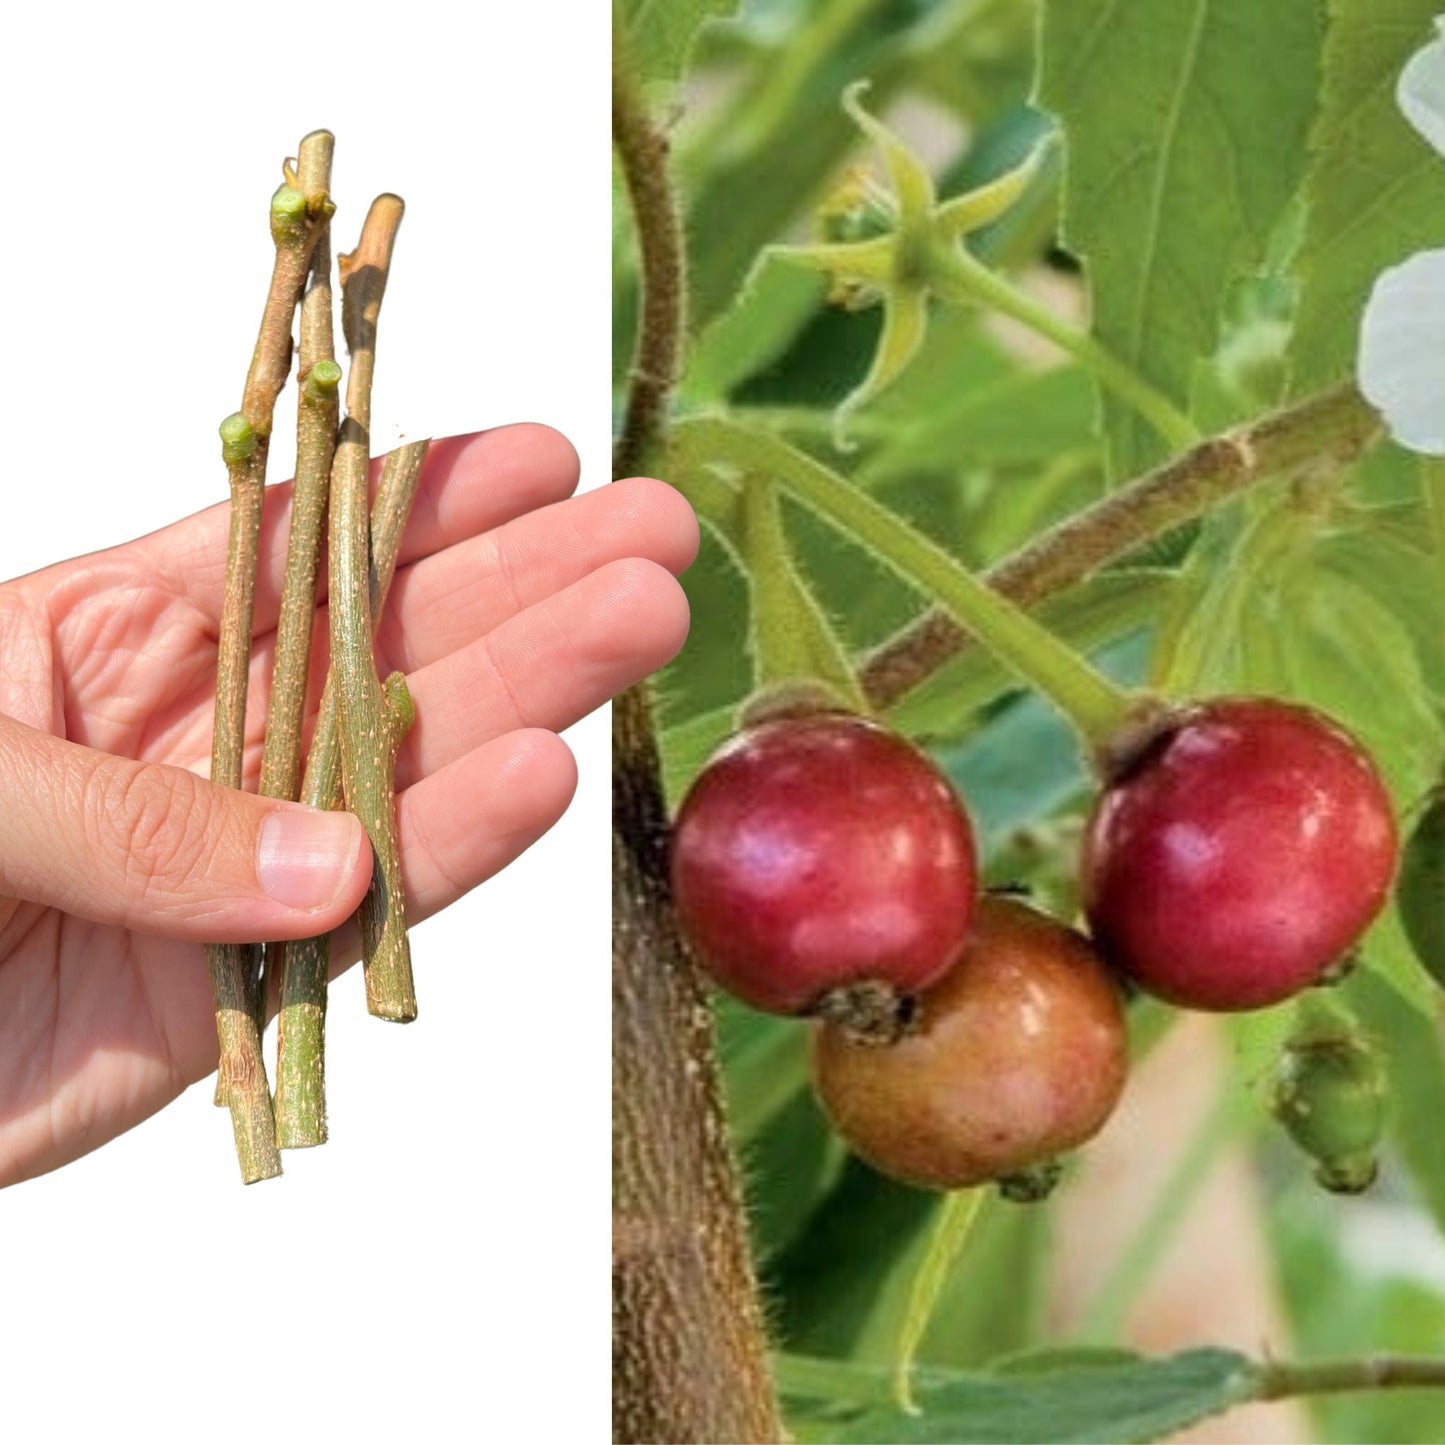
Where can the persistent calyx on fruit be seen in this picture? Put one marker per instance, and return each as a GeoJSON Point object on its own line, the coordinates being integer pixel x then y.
{"type": "Point", "coordinates": [820, 855]}
{"type": "Point", "coordinates": [1016, 1054]}
{"type": "Point", "coordinates": [1240, 856]}
{"type": "Point", "coordinates": [1329, 1093]}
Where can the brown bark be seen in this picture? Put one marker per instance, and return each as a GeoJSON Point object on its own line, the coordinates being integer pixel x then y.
{"type": "Point", "coordinates": [689, 1360]}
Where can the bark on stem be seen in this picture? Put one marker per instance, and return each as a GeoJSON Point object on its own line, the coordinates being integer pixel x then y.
{"type": "Point", "coordinates": [318, 410]}
{"type": "Point", "coordinates": [303, 966]}
{"type": "Point", "coordinates": [372, 721]}
{"type": "Point", "coordinates": [241, 1072]}
{"type": "Point", "coordinates": [1328, 429]}
{"type": "Point", "coordinates": [689, 1354]}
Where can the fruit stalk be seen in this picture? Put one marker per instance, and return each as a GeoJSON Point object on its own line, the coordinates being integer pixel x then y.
{"type": "Point", "coordinates": [302, 965]}
{"type": "Point", "coordinates": [1329, 429]}
{"type": "Point", "coordinates": [317, 414]}
{"type": "Point", "coordinates": [689, 1351]}
{"type": "Point", "coordinates": [241, 1073]}
{"type": "Point", "coordinates": [373, 719]}
{"type": "Point", "coordinates": [1096, 707]}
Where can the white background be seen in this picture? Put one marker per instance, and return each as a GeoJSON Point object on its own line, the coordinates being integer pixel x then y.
{"type": "Point", "coordinates": [428, 1274]}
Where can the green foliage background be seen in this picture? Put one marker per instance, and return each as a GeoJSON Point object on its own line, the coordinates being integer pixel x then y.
{"type": "Point", "coordinates": [1233, 177]}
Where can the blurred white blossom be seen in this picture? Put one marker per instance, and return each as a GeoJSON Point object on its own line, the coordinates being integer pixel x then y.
{"type": "Point", "coordinates": [1402, 337]}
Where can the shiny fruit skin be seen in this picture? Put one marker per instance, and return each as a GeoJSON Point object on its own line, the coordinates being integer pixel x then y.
{"type": "Point", "coordinates": [820, 851]}
{"type": "Point", "coordinates": [1241, 857]}
{"type": "Point", "coordinates": [1017, 1054]}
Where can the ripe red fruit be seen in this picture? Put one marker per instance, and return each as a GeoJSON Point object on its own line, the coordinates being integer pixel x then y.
{"type": "Point", "coordinates": [1240, 857]}
{"type": "Point", "coordinates": [1016, 1054]}
{"type": "Point", "coordinates": [817, 852]}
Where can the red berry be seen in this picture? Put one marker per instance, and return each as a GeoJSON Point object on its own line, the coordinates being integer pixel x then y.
{"type": "Point", "coordinates": [818, 852]}
{"type": "Point", "coordinates": [1017, 1054]}
{"type": "Point", "coordinates": [1240, 857]}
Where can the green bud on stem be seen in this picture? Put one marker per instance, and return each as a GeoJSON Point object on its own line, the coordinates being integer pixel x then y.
{"type": "Point", "coordinates": [321, 381]}
{"type": "Point", "coordinates": [288, 215]}
{"type": "Point", "coordinates": [238, 440]}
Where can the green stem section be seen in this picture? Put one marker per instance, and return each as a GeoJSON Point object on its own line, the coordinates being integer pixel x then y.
{"type": "Point", "coordinates": [1279, 1378]}
{"type": "Point", "coordinates": [304, 965]}
{"type": "Point", "coordinates": [1095, 706]}
{"type": "Point", "coordinates": [961, 279]}
{"type": "Point", "coordinates": [951, 1231]}
{"type": "Point", "coordinates": [235, 968]}
{"type": "Point", "coordinates": [373, 720]}
{"type": "Point", "coordinates": [1330, 428]}
{"type": "Point", "coordinates": [792, 639]}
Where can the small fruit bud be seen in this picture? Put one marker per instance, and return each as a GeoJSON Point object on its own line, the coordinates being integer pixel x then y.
{"type": "Point", "coordinates": [1329, 1093]}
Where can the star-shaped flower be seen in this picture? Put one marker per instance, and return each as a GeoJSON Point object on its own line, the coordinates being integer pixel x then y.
{"type": "Point", "coordinates": [901, 266]}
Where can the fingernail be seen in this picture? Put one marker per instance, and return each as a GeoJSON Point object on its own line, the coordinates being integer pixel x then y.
{"type": "Point", "coordinates": [306, 857]}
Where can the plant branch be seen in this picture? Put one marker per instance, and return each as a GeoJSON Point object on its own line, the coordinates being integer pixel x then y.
{"type": "Point", "coordinates": [961, 279]}
{"type": "Point", "coordinates": [373, 719]}
{"type": "Point", "coordinates": [1276, 1379]}
{"type": "Point", "coordinates": [643, 150]}
{"type": "Point", "coordinates": [317, 413]}
{"type": "Point", "coordinates": [689, 1353]}
{"type": "Point", "coordinates": [1095, 706]}
{"type": "Point", "coordinates": [1329, 429]}
{"type": "Point", "coordinates": [303, 965]}
{"type": "Point", "coordinates": [241, 1073]}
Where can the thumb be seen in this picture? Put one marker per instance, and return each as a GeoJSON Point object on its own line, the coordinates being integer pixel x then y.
{"type": "Point", "coordinates": [158, 849]}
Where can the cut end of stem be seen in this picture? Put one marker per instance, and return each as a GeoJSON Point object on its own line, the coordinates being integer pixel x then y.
{"type": "Point", "coordinates": [322, 381]}
{"type": "Point", "coordinates": [288, 214]}
{"type": "Point", "coordinates": [238, 439]}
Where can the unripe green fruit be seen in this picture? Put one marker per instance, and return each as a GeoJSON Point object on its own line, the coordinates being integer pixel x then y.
{"type": "Point", "coordinates": [1329, 1093]}
{"type": "Point", "coordinates": [1420, 891]}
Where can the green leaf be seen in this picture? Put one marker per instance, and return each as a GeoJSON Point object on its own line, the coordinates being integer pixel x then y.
{"type": "Point", "coordinates": [1414, 1052]}
{"type": "Point", "coordinates": [1183, 152]}
{"type": "Point", "coordinates": [762, 323]}
{"type": "Point", "coordinates": [1114, 1399]}
{"type": "Point", "coordinates": [1374, 193]}
{"type": "Point", "coordinates": [660, 33]}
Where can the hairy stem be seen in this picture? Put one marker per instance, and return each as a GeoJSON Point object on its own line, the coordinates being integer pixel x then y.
{"type": "Point", "coordinates": [689, 1354]}
{"type": "Point", "coordinates": [372, 721]}
{"type": "Point", "coordinates": [1329, 429]}
{"type": "Point", "coordinates": [303, 965]}
{"type": "Point", "coordinates": [1096, 707]}
{"type": "Point", "coordinates": [317, 412]}
{"type": "Point", "coordinates": [234, 968]}
{"type": "Point", "coordinates": [959, 278]}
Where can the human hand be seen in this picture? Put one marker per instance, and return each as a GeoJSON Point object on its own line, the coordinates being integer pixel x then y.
{"type": "Point", "coordinates": [516, 610]}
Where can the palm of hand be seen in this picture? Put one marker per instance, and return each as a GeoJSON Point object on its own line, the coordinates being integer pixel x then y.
{"type": "Point", "coordinates": [514, 613]}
